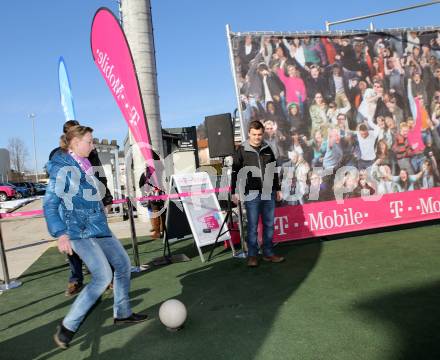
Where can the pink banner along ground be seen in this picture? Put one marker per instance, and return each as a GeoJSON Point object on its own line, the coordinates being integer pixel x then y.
{"type": "Point", "coordinates": [122, 201]}
{"type": "Point", "coordinates": [21, 214]}
{"type": "Point", "coordinates": [309, 220]}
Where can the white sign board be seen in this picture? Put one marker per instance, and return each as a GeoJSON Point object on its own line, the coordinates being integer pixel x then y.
{"type": "Point", "coordinates": [202, 210]}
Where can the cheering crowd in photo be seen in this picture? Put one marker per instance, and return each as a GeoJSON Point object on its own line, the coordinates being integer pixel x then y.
{"type": "Point", "coordinates": [367, 104]}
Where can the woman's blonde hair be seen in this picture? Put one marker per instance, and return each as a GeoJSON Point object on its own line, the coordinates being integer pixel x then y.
{"type": "Point", "coordinates": [77, 131]}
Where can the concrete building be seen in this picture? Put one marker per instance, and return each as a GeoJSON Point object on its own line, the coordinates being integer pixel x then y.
{"type": "Point", "coordinates": [5, 165]}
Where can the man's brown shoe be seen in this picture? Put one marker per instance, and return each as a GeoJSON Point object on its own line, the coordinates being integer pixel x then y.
{"type": "Point", "coordinates": [73, 289]}
{"type": "Point", "coordinates": [274, 258]}
{"type": "Point", "coordinates": [252, 261]}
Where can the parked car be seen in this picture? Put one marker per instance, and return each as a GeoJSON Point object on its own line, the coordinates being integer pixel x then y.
{"type": "Point", "coordinates": [6, 192]}
{"type": "Point", "coordinates": [28, 185]}
{"type": "Point", "coordinates": [32, 187]}
{"type": "Point", "coordinates": [40, 188]}
{"type": "Point", "coordinates": [21, 191]}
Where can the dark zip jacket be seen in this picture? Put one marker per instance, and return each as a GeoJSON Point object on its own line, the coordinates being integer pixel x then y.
{"type": "Point", "coordinates": [246, 155]}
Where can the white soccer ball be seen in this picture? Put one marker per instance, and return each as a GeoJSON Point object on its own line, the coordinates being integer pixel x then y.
{"type": "Point", "coordinates": [172, 313]}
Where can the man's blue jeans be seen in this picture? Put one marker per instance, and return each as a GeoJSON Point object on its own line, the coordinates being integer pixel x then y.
{"type": "Point", "coordinates": [98, 254]}
{"type": "Point", "coordinates": [255, 208]}
{"type": "Point", "coordinates": [417, 161]}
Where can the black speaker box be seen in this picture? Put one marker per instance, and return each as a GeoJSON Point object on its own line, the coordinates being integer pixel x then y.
{"type": "Point", "coordinates": [220, 134]}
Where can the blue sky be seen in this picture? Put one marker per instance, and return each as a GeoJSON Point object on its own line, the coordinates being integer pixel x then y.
{"type": "Point", "coordinates": [194, 74]}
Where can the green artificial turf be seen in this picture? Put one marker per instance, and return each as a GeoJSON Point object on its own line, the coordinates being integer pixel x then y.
{"type": "Point", "coordinates": [365, 297]}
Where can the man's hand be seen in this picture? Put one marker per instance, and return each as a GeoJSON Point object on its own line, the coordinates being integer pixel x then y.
{"type": "Point", "coordinates": [235, 199]}
{"type": "Point", "coordinates": [64, 244]}
{"type": "Point", "coordinates": [279, 196]}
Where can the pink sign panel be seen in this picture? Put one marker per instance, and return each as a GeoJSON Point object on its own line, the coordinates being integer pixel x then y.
{"type": "Point", "coordinates": [211, 222]}
{"type": "Point", "coordinates": [112, 55]}
{"type": "Point", "coordinates": [310, 220]}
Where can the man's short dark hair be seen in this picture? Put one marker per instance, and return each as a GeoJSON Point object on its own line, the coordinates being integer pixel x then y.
{"type": "Point", "coordinates": [68, 124]}
{"type": "Point", "coordinates": [363, 127]}
{"type": "Point", "coordinates": [262, 67]}
{"type": "Point", "coordinates": [256, 125]}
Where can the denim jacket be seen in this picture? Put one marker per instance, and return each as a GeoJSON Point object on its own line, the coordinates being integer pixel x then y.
{"type": "Point", "coordinates": [72, 204]}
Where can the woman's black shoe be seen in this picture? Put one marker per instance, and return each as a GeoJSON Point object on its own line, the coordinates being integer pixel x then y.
{"type": "Point", "coordinates": [132, 319]}
{"type": "Point", "coordinates": [63, 337]}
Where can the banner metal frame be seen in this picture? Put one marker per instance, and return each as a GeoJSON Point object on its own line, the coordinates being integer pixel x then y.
{"type": "Point", "coordinates": [330, 23]}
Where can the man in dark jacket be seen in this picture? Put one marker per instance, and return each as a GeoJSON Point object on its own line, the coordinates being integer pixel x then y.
{"type": "Point", "coordinates": [76, 274]}
{"type": "Point", "coordinates": [316, 83]}
{"type": "Point", "coordinates": [262, 187]}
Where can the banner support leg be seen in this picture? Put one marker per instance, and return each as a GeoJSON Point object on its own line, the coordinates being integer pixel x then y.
{"type": "Point", "coordinates": [137, 267]}
{"type": "Point", "coordinates": [167, 258]}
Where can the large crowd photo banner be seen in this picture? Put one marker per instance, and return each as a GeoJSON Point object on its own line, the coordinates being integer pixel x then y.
{"type": "Point", "coordinates": [353, 119]}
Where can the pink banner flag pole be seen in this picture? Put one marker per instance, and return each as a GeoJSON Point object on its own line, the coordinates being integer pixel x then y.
{"type": "Point", "coordinates": [114, 60]}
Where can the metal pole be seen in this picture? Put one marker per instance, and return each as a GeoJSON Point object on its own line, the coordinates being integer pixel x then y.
{"type": "Point", "coordinates": [134, 242]}
{"type": "Point", "coordinates": [243, 253]}
{"type": "Point", "coordinates": [138, 267]}
{"type": "Point", "coordinates": [8, 284]}
{"type": "Point", "coordinates": [32, 116]}
{"type": "Point", "coordinates": [234, 76]}
{"type": "Point", "coordinates": [330, 23]}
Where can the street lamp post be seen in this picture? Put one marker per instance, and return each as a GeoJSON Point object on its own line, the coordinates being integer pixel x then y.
{"type": "Point", "coordinates": [32, 117]}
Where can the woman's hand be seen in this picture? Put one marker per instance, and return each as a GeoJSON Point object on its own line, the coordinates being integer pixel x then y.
{"type": "Point", "coordinates": [64, 245]}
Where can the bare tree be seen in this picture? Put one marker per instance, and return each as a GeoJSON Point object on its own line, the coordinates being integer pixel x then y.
{"type": "Point", "coordinates": [18, 154]}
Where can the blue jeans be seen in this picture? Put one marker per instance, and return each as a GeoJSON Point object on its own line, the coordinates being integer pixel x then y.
{"type": "Point", "coordinates": [98, 254]}
{"type": "Point", "coordinates": [255, 208]}
{"type": "Point", "coordinates": [417, 161]}
{"type": "Point", "coordinates": [76, 273]}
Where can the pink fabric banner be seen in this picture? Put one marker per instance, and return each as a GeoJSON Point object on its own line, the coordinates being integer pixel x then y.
{"type": "Point", "coordinates": [21, 214]}
{"type": "Point", "coordinates": [113, 57]}
{"type": "Point", "coordinates": [310, 220]}
{"type": "Point", "coordinates": [122, 201]}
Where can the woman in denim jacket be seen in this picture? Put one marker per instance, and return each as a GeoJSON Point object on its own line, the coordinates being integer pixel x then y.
{"type": "Point", "coordinates": [75, 215]}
